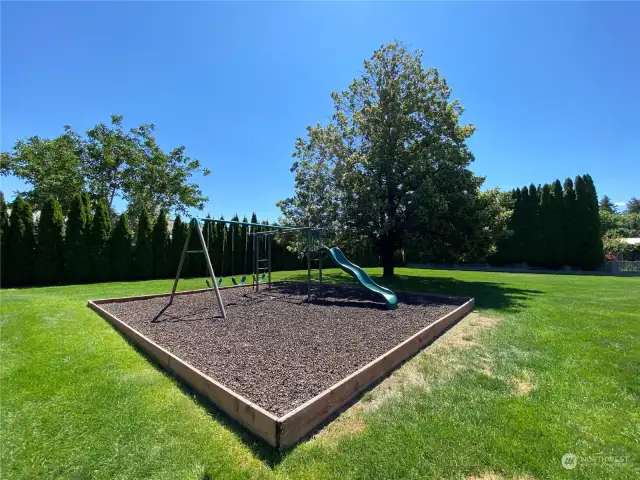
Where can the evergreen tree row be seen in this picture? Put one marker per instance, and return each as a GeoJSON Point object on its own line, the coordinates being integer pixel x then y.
{"type": "Point", "coordinates": [554, 226]}
{"type": "Point", "coordinates": [85, 247]}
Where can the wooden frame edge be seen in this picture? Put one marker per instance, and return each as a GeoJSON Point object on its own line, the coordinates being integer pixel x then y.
{"type": "Point", "coordinates": [294, 425]}
{"type": "Point", "coordinates": [253, 417]}
{"type": "Point", "coordinates": [300, 421]}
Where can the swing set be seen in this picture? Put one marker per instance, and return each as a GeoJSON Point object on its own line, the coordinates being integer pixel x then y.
{"type": "Point", "coordinates": [262, 236]}
{"type": "Point", "coordinates": [261, 270]}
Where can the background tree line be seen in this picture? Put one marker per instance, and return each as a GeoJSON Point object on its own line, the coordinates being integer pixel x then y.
{"type": "Point", "coordinates": [110, 162]}
{"type": "Point", "coordinates": [84, 246]}
{"type": "Point", "coordinates": [617, 226]}
{"type": "Point", "coordinates": [553, 226]}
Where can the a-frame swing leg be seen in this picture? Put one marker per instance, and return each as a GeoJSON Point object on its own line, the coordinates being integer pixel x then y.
{"type": "Point", "coordinates": [180, 264]}
{"type": "Point", "coordinates": [196, 224]}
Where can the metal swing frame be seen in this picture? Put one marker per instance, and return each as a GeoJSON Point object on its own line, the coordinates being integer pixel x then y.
{"type": "Point", "coordinates": [195, 224]}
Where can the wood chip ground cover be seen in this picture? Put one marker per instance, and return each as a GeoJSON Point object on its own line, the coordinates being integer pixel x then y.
{"type": "Point", "coordinates": [276, 348]}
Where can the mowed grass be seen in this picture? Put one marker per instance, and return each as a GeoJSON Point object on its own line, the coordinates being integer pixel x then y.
{"type": "Point", "coordinates": [548, 365]}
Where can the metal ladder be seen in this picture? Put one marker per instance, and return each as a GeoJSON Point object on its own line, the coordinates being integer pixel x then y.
{"type": "Point", "coordinates": [262, 264]}
{"type": "Point", "coordinates": [313, 255]}
{"type": "Point", "coordinates": [195, 224]}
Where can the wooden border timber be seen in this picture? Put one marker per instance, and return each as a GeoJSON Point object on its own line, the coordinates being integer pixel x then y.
{"type": "Point", "coordinates": [287, 430]}
{"type": "Point", "coordinates": [299, 422]}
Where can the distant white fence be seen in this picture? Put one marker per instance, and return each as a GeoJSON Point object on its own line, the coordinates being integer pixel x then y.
{"type": "Point", "coordinates": [614, 267]}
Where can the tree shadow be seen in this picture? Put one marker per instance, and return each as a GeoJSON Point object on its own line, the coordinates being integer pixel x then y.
{"type": "Point", "coordinates": [491, 295]}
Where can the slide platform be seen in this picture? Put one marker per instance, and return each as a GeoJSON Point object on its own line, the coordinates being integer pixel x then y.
{"type": "Point", "coordinates": [361, 276]}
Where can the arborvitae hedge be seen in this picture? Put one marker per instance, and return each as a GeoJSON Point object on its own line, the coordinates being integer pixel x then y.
{"type": "Point", "coordinates": [20, 252]}
{"type": "Point", "coordinates": [86, 201]}
{"type": "Point", "coordinates": [50, 244]}
{"type": "Point", "coordinates": [178, 237]}
{"type": "Point", "coordinates": [215, 255]}
{"type": "Point", "coordinates": [143, 252]}
{"type": "Point", "coordinates": [99, 239]}
{"type": "Point", "coordinates": [546, 234]}
{"type": "Point", "coordinates": [553, 226]}
{"type": "Point", "coordinates": [161, 246]}
{"type": "Point", "coordinates": [556, 229]}
{"type": "Point", "coordinates": [76, 239]}
{"type": "Point", "coordinates": [4, 231]}
{"type": "Point", "coordinates": [570, 226]}
{"type": "Point", "coordinates": [195, 262]}
{"type": "Point", "coordinates": [534, 251]}
{"type": "Point", "coordinates": [595, 246]}
{"type": "Point", "coordinates": [121, 250]}
{"type": "Point", "coordinates": [246, 240]}
{"type": "Point", "coordinates": [236, 247]}
{"type": "Point", "coordinates": [222, 250]}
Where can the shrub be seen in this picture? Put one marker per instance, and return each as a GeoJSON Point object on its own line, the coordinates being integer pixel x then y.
{"type": "Point", "coordinates": [50, 245]}
{"type": "Point", "coordinates": [121, 252]}
{"type": "Point", "coordinates": [143, 252]}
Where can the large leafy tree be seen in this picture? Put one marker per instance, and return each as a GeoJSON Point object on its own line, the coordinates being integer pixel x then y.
{"type": "Point", "coordinates": [50, 244]}
{"type": "Point", "coordinates": [633, 205]}
{"type": "Point", "coordinates": [109, 161]}
{"type": "Point", "coordinates": [606, 204]}
{"type": "Point", "coordinates": [392, 162]}
{"type": "Point", "coordinates": [51, 167]}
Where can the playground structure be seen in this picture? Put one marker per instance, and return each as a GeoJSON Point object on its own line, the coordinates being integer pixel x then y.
{"type": "Point", "coordinates": [280, 364]}
{"type": "Point", "coordinates": [261, 265]}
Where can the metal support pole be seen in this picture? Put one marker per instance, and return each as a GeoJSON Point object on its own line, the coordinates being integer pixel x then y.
{"type": "Point", "coordinates": [269, 237]}
{"type": "Point", "coordinates": [256, 258]}
{"type": "Point", "coordinates": [308, 264]}
{"type": "Point", "coordinates": [320, 265]}
{"type": "Point", "coordinates": [210, 268]}
{"type": "Point", "coordinates": [320, 254]}
{"type": "Point", "coordinates": [184, 254]}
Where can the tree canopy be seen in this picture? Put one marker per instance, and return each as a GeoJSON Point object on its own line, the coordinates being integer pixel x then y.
{"type": "Point", "coordinates": [391, 164]}
{"type": "Point", "coordinates": [633, 205]}
{"type": "Point", "coordinates": [108, 161]}
{"type": "Point", "coordinates": [607, 205]}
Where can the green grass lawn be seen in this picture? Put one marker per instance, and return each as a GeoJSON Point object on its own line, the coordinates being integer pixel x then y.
{"type": "Point", "coordinates": [548, 365]}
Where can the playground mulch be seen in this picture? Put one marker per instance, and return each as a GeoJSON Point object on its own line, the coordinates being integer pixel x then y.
{"type": "Point", "coordinates": [276, 348]}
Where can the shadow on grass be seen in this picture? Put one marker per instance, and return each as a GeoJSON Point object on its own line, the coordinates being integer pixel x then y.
{"type": "Point", "coordinates": [492, 295]}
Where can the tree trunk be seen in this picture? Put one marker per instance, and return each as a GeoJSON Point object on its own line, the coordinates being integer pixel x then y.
{"type": "Point", "coordinates": [387, 253]}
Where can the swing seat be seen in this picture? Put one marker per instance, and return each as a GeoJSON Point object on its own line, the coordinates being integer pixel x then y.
{"type": "Point", "coordinates": [241, 282]}
{"type": "Point", "coordinates": [208, 284]}
{"type": "Point", "coordinates": [219, 281]}
{"type": "Point", "coordinates": [261, 279]}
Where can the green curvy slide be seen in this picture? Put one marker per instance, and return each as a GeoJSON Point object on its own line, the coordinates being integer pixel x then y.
{"type": "Point", "coordinates": [359, 274]}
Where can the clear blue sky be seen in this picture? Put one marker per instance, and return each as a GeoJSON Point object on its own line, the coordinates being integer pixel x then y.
{"type": "Point", "coordinates": [553, 88]}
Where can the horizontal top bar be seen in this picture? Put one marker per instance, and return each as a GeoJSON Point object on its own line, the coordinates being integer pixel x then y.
{"type": "Point", "coordinates": [245, 224]}
{"type": "Point", "coordinates": [288, 229]}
